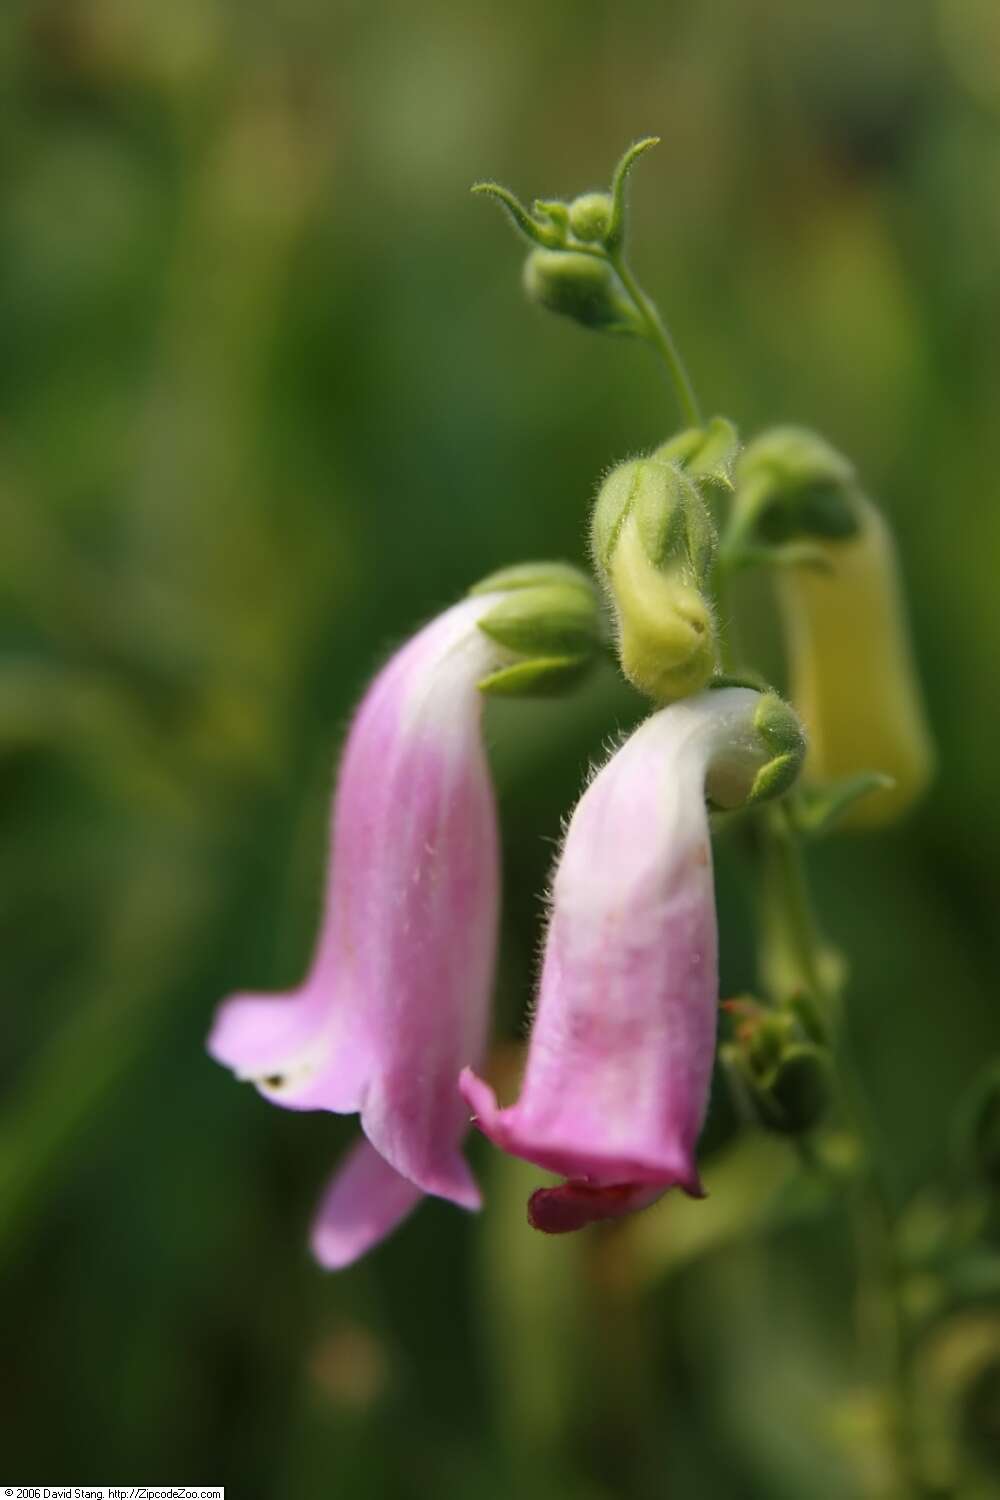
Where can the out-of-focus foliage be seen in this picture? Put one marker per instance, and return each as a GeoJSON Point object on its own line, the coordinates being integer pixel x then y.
{"type": "Point", "coordinates": [269, 396]}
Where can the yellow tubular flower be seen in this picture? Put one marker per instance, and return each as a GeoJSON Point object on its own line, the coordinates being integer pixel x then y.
{"type": "Point", "coordinates": [853, 678]}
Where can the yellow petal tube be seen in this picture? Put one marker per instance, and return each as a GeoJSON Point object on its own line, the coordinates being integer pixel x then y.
{"type": "Point", "coordinates": [666, 633]}
{"type": "Point", "coordinates": [853, 678]}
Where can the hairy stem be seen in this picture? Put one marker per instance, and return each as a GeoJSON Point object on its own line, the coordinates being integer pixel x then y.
{"type": "Point", "coordinates": [659, 336]}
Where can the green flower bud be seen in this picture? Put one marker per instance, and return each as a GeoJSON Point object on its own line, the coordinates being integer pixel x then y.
{"type": "Point", "coordinates": [798, 1093]}
{"type": "Point", "coordinates": [549, 620]}
{"type": "Point", "coordinates": [783, 1082]}
{"type": "Point", "coordinates": [590, 216]}
{"type": "Point", "coordinates": [776, 728]}
{"type": "Point", "coordinates": [779, 727]}
{"type": "Point", "coordinates": [792, 484]}
{"type": "Point", "coordinates": [556, 212]}
{"type": "Point", "coordinates": [653, 543]}
{"type": "Point", "coordinates": [580, 287]}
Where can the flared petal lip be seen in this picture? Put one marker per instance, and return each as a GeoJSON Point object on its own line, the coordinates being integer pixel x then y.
{"type": "Point", "coordinates": [575, 1205]}
{"type": "Point", "coordinates": [363, 1204]}
{"type": "Point", "coordinates": [450, 1178]}
{"type": "Point", "coordinates": [592, 1165]}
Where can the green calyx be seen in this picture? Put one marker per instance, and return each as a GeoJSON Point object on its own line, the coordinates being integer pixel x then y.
{"type": "Point", "coordinates": [777, 726]}
{"type": "Point", "coordinates": [707, 454]}
{"type": "Point", "coordinates": [673, 523]}
{"type": "Point", "coordinates": [531, 575]}
{"type": "Point", "coordinates": [765, 761]}
{"type": "Point", "coordinates": [549, 619]}
{"type": "Point", "coordinates": [546, 620]}
{"type": "Point", "coordinates": [580, 287]}
{"type": "Point", "coordinates": [792, 485]}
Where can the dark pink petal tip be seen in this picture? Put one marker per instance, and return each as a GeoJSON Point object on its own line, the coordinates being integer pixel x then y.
{"type": "Point", "coordinates": [574, 1205]}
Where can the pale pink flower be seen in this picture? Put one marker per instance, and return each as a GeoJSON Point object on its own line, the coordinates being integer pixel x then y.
{"type": "Point", "coordinates": [622, 1046]}
{"type": "Point", "coordinates": [396, 1001]}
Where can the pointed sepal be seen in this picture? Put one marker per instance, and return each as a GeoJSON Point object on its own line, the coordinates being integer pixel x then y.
{"type": "Point", "coordinates": [779, 727]}
{"type": "Point", "coordinates": [548, 618]}
{"type": "Point", "coordinates": [818, 810]}
{"type": "Point", "coordinates": [708, 454]}
{"type": "Point", "coordinates": [540, 230]}
{"type": "Point", "coordinates": [616, 228]}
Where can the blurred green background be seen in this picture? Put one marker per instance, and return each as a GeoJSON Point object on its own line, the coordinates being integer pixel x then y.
{"type": "Point", "coordinates": [269, 396]}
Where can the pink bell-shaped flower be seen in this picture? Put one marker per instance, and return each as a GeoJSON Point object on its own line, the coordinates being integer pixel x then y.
{"type": "Point", "coordinates": [620, 1060]}
{"type": "Point", "coordinates": [397, 998]}
{"type": "Point", "coordinates": [396, 1001]}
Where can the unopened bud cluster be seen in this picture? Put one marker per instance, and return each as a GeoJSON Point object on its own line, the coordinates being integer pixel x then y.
{"type": "Point", "coordinates": [575, 269]}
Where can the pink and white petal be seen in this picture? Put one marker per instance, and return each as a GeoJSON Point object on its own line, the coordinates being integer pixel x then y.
{"type": "Point", "coordinates": [291, 1050]}
{"type": "Point", "coordinates": [622, 1044]}
{"type": "Point", "coordinates": [363, 1203]}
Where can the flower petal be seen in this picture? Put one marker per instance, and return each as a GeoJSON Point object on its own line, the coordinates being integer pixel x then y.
{"type": "Point", "coordinates": [363, 1203]}
{"type": "Point", "coordinates": [622, 1045]}
{"type": "Point", "coordinates": [573, 1205]}
{"type": "Point", "coordinates": [397, 998]}
{"type": "Point", "coordinates": [284, 1044]}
